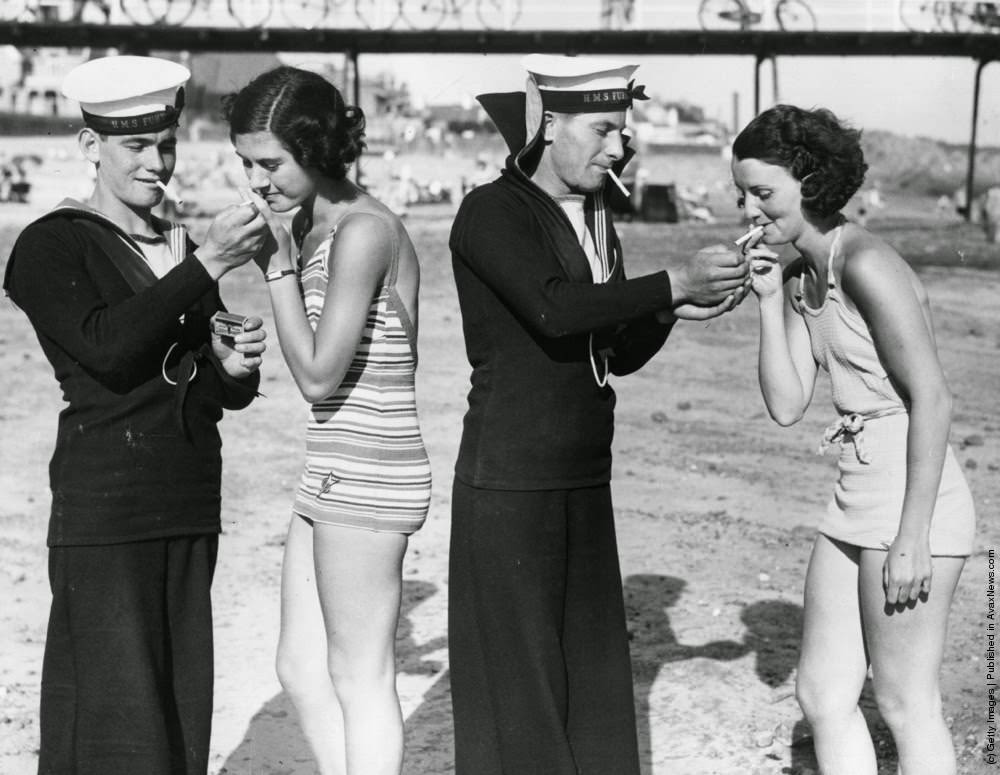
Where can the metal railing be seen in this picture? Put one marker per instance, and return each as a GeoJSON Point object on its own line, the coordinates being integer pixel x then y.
{"type": "Point", "coordinates": [924, 16]}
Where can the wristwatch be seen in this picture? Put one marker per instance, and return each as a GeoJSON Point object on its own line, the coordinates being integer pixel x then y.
{"type": "Point", "coordinates": [277, 274]}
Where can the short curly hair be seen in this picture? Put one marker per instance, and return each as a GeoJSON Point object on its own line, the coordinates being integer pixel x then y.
{"type": "Point", "coordinates": [817, 149]}
{"type": "Point", "coordinates": [305, 112]}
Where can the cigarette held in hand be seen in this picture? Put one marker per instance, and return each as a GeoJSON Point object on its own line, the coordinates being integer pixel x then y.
{"type": "Point", "coordinates": [169, 192]}
{"type": "Point", "coordinates": [750, 235]}
{"type": "Point", "coordinates": [617, 182]}
{"type": "Point", "coordinates": [246, 199]}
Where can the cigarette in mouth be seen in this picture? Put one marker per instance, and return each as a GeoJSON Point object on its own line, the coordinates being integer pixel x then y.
{"type": "Point", "coordinates": [617, 182]}
{"type": "Point", "coordinates": [169, 192]}
{"type": "Point", "coordinates": [750, 235]}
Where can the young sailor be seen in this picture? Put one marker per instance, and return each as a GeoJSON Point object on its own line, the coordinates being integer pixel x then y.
{"type": "Point", "coordinates": [121, 302]}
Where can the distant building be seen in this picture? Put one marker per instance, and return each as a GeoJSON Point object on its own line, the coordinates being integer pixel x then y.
{"type": "Point", "coordinates": [676, 124]}
{"type": "Point", "coordinates": [30, 81]}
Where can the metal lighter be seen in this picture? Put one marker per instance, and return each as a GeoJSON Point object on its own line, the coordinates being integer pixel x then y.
{"type": "Point", "coordinates": [228, 324]}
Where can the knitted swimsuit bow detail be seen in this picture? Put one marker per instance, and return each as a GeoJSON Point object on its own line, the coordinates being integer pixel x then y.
{"type": "Point", "coordinates": [848, 428]}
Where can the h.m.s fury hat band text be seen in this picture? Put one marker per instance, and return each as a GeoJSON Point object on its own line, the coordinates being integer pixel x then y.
{"type": "Point", "coordinates": [591, 101]}
{"type": "Point", "coordinates": [148, 122]}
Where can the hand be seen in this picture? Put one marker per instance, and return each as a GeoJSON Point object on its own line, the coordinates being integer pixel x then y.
{"type": "Point", "coordinates": [241, 355]}
{"type": "Point", "coordinates": [276, 252]}
{"type": "Point", "coordinates": [765, 271]}
{"type": "Point", "coordinates": [709, 277]}
{"type": "Point", "coordinates": [906, 574]}
{"type": "Point", "coordinates": [234, 237]}
{"type": "Point", "coordinates": [694, 312]}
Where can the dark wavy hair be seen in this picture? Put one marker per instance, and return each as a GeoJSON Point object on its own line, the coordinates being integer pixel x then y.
{"type": "Point", "coordinates": [305, 112]}
{"type": "Point", "coordinates": [816, 148]}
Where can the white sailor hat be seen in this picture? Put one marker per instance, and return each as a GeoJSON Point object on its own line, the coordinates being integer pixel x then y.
{"type": "Point", "coordinates": [126, 95]}
{"type": "Point", "coordinates": [582, 84]}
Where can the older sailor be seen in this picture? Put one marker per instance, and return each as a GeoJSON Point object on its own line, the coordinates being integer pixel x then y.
{"type": "Point", "coordinates": [540, 671]}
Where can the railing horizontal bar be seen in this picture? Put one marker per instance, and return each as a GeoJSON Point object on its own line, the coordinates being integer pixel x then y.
{"type": "Point", "coordinates": [635, 42]}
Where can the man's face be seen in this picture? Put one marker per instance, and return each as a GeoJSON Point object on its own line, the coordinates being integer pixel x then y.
{"type": "Point", "coordinates": [129, 166]}
{"type": "Point", "coordinates": [581, 147]}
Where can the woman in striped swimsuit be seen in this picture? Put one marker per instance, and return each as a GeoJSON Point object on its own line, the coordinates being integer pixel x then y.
{"type": "Point", "coordinates": [346, 315]}
{"type": "Point", "coordinates": [900, 525]}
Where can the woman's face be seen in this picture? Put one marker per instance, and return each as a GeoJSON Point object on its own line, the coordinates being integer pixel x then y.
{"type": "Point", "coordinates": [273, 172]}
{"type": "Point", "coordinates": [770, 197]}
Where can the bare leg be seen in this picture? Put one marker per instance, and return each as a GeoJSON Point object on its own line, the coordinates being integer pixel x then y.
{"type": "Point", "coordinates": [833, 664]}
{"type": "Point", "coordinates": [359, 578]}
{"type": "Point", "coordinates": [906, 646]}
{"type": "Point", "coordinates": [302, 653]}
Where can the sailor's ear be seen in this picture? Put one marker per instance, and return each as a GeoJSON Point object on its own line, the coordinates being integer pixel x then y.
{"type": "Point", "coordinates": [532, 107]}
{"type": "Point", "coordinates": [548, 126]}
{"type": "Point", "coordinates": [89, 142]}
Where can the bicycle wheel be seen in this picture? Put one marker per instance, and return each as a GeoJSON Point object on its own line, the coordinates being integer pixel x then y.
{"type": "Point", "coordinates": [170, 13]}
{"type": "Point", "coordinates": [725, 15]}
{"type": "Point", "coordinates": [795, 16]}
{"type": "Point", "coordinates": [919, 15]}
{"type": "Point", "coordinates": [250, 13]}
{"type": "Point", "coordinates": [960, 17]}
{"type": "Point", "coordinates": [12, 10]}
{"type": "Point", "coordinates": [304, 14]}
{"type": "Point", "coordinates": [16, 11]}
{"type": "Point", "coordinates": [378, 14]}
{"type": "Point", "coordinates": [423, 14]}
{"type": "Point", "coordinates": [498, 14]}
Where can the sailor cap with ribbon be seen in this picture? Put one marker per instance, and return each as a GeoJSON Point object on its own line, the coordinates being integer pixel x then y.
{"type": "Point", "coordinates": [577, 85]}
{"type": "Point", "coordinates": [582, 84]}
{"type": "Point", "coordinates": [127, 95]}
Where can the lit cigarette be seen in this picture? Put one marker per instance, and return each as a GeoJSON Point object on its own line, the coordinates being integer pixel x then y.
{"type": "Point", "coordinates": [750, 234]}
{"type": "Point", "coordinates": [617, 182]}
{"type": "Point", "coordinates": [169, 192]}
{"type": "Point", "coordinates": [246, 202]}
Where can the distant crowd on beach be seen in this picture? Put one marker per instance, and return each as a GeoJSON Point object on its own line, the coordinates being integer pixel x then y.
{"type": "Point", "coordinates": [15, 184]}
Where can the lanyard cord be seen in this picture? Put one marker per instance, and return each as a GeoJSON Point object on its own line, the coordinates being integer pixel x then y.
{"type": "Point", "coordinates": [163, 368]}
{"type": "Point", "coordinates": [601, 381]}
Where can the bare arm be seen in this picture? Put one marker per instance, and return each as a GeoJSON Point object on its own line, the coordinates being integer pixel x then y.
{"type": "Point", "coordinates": [785, 364]}
{"type": "Point", "coordinates": [358, 260]}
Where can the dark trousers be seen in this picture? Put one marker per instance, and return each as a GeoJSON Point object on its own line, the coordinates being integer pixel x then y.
{"type": "Point", "coordinates": [128, 669]}
{"type": "Point", "coordinates": [540, 674]}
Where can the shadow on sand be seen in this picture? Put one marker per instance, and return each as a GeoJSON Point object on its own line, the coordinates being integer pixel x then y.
{"type": "Point", "coordinates": [772, 634]}
{"type": "Point", "coordinates": [274, 745]}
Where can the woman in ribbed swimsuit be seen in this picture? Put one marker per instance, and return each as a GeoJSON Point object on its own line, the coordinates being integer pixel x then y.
{"type": "Point", "coordinates": [345, 311]}
{"type": "Point", "coordinates": [900, 524]}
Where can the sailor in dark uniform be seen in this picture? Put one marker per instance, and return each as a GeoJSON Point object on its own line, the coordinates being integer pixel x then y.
{"type": "Point", "coordinates": [121, 302]}
{"type": "Point", "coordinates": [540, 672]}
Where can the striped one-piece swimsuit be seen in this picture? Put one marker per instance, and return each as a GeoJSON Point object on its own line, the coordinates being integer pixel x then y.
{"type": "Point", "coordinates": [366, 466]}
{"type": "Point", "coordinates": [872, 430]}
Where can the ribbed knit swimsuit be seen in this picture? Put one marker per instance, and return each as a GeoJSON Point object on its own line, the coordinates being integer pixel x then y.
{"type": "Point", "coordinates": [366, 466]}
{"type": "Point", "coordinates": [872, 432]}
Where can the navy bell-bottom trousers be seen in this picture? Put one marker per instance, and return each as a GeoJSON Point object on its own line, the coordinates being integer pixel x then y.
{"type": "Point", "coordinates": [540, 673]}
{"type": "Point", "coordinates": [128, 667]}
